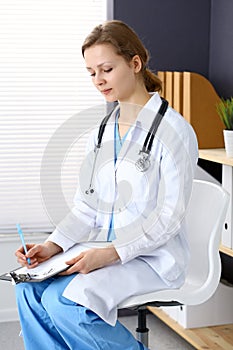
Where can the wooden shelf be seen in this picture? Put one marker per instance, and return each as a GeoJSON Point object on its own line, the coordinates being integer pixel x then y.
{"type": "Point", "coordinates": [226, 250]}
{"type": "Point", "coordinates": [205, 338]}
{"type": "Point", "coordinates": [217, 155]}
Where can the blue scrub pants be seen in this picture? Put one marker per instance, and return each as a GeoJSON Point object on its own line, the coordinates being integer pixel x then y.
{"type": "Point", "coordinates": [49, 321]}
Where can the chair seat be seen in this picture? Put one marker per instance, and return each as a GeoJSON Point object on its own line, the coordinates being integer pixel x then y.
{"type": "Point", "coordinates": [191, 293]}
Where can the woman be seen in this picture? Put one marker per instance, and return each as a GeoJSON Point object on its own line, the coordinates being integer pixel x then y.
{"type": "Point", "coordinates": [133, 193]}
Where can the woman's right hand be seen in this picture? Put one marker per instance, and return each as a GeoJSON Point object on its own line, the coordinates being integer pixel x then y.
{"type": "Point", "coordinates": [37, 253]}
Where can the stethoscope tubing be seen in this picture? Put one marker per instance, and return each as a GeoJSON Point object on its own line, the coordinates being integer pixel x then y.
{"type": "Point", "coordinates": [143, 163]}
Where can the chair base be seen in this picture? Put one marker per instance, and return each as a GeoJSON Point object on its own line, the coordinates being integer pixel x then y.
{"type": "Point", "coordinates": [142, 332]}
{"type": "Point", "coordinates": [143, 337]}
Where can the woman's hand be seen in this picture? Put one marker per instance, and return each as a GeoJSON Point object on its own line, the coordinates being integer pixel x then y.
{"type": "Point", "coordinates": [92, 259]}
{"type": "Point", "coordinates": [37, 253]}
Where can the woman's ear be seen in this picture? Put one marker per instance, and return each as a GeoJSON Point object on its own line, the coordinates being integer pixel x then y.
{"type": "Point", "coordinates": [136, 63]}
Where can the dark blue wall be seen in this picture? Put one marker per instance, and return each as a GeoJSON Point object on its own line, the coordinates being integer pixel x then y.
{"type": "Point", "coordinates": [193, 35]}
{"type": "Point", "coordinates": [221, 47]}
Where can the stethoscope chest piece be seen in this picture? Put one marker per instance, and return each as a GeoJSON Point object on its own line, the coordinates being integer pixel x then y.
{"type": "Point", "coordinates": [143, 163]}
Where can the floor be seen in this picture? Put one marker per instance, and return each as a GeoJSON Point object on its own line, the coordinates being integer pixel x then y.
{"type": "Point", "coordinates": [161, 336]}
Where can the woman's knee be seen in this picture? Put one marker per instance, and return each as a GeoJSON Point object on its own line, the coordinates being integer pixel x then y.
{"type": "Point", "coordinates": [23, 290]}
{"type": "Point", "coordinates": [31, 291]}
{"type": "Point", "coordinates": [52, 299]}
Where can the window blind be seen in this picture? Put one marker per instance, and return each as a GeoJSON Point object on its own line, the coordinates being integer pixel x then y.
{"type": "Point", "coordinates": [47, 106]}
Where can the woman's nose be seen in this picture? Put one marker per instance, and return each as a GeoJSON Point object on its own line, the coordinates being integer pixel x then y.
{"type": "Point", "coordinates": [99, 79]}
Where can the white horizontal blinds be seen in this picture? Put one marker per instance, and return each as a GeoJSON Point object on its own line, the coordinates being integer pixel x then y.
{"type": "Point", "coordinates": [43, 83]}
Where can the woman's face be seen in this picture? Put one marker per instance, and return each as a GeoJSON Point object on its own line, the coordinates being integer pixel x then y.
{"type": "Point", "coordinates": [111, 74]}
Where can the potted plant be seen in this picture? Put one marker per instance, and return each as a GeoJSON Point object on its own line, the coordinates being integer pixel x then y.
{"type": "Point", "coordinates": [225, 111]}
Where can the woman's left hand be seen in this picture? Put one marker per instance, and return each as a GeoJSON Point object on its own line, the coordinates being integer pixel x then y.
{"type": "Point", "coordinates": [91, 259]}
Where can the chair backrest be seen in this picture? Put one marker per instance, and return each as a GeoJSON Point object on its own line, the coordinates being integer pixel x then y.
{"type": "Point", "coordinates": [205, 218]}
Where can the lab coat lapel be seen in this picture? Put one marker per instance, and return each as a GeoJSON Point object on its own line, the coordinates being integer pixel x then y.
{"type": "Point", "coordinates": [108, 148]}
{"type": "Point", "coordinates": [109, 143]}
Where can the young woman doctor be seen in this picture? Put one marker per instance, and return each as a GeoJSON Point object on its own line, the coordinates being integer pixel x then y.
{"type": "Point", "coordinates": [134, 190]}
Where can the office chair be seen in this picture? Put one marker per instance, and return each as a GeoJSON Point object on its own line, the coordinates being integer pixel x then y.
{"type": "Point", "coordinates": [205, 218]}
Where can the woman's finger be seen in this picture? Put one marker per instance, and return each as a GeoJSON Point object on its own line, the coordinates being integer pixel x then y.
{"type": "Point", "coordinates": [73, 260]}
{"type": "Point", "coordinates": [72, 269]}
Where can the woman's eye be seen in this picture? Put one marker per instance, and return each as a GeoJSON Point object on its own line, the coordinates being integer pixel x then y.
{"type": "Point", "coordinates": [108, 70]}
{"type": "Point", "coordinates": [105, 71]}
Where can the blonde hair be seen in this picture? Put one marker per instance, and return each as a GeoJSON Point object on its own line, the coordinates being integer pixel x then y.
{"type": "Point", "coordinates": [127, 44]}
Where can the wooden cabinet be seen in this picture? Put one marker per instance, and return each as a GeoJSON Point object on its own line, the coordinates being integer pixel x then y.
{"type": "Point", "coordinates": [194, 97]}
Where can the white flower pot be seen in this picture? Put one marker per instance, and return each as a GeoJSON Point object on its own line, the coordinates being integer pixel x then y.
{"type": "Point", "coordinates": [228, 141]}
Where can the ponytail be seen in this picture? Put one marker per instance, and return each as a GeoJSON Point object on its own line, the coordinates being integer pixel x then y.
{"type": "Point", "coordinates": [151, 81]}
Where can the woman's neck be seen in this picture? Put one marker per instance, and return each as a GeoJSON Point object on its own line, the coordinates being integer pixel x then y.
{"type": "Point", "coordinates": [129, 112]}
{"type": "Point", "coordinates": [129, 109]}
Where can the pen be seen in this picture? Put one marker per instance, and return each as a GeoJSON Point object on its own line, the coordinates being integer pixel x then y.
{"type": "Point", "coordinates": [20, 232]}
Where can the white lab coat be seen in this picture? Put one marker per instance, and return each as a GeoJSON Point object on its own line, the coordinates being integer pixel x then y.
{"type": "Point", "coordinates": [149, 207]}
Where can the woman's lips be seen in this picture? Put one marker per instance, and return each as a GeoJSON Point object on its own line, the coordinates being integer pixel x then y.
{"type": "Point", "coordinates": [106, 91]}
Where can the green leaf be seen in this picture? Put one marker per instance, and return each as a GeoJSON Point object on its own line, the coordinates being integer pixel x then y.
{"type": "Point", "coordinates": [225, 111]}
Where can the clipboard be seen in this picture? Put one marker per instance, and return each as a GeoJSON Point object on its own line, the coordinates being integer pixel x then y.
{"type": "Point", "coordinates": [49, 268]}
{"type": "Point", "coordinates": [24, 274]}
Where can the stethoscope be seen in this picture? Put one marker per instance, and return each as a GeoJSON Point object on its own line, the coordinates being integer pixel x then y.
{"type": "Point", "coordinates": [143, 163]}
